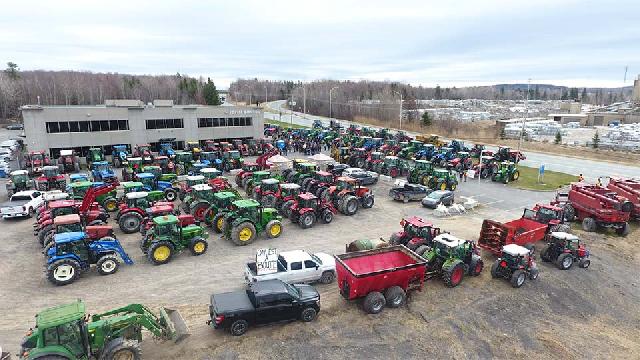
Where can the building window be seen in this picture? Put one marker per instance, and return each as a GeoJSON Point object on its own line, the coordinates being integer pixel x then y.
{"type": "Point", "coordinates": [164, 124]}
{"type": "Point", "coordinates": [54, 127]}
{"type": "Point", "coordinates": [84, 126]}
{"type": "Point", "coordinates": [222, 122]}
{"type": "Point", "coordinates": [73, 126]}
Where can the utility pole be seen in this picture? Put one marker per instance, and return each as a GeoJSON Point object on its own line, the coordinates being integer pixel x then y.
{"type": "Point", "coordinates": [526, 108]}
{"type": "Point", "coordinates": [304, 100]}
{"type": "Point", "coordinates": [400, 107]}
{"type": "Point", "coordinates": [330, 91]}
{"type": "Point", "coordinates": [266, 94]}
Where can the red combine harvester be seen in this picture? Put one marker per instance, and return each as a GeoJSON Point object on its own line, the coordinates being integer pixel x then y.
{"type": "Point", "coordinates": [596, 207]}
{"type": "Point", "coordinates": [629, 188]}
{"type": "Point", "coordinates": [380, 276]}
{"type": "Point", "coordinates": [533, 226]}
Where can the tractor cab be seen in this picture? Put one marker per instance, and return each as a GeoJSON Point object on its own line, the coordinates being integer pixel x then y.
{"type": "Point", "coordinates": [232, 154]}
{"type": "Point", "coordinates": [391, 161]}
{"type": "Point", "coordinates": [152, 169]}
{"type": "Point", "coordinates": [345, 183]}
{"type": "Point", "coordinates": [166, 149]}
{"type": "Point", "coordinates": [78, 189]}
{"type": "Point", "coordinates": [171, 226]}
{"type": "Point", "coordinates": [210, 173]}
{"type": "Point", "coordinates": [308, 201]}
{"type": "Point", "coordinates": [95, 154]}
{"type": "Point", "coordinates": [323, 177]}
{"type": "Point", "coordinates": [462, 155]}
{"type": "Point", "coordinates": [78, 177]}
{"type": "Point", "coordinates": [193, 180]}
{"type": "Point", "coordinates": [487, 160]}
{"type": "Point", "coordinates": [289, 190]}
{"type": "Point", "coordinates": [137, 199]}
{"type": "Point", "coordinates": [183, 157]}
{"type": "Point", "coordinates": [417, 230]}
{"type": "Point", "coordinates": [269, 185]}
{"type": "Point", "coordinates": [67, 223]}
{"type": "Point", "coordinates": [225, 146]}
{"type": "Point", "coordinates": [132, 186]}
{"type": "Point", "coordinates": [193, 147]}
{"type": "Point", "coordinates": [19, 180]}
{"type": "Point", "coordinates": [250, 167]}
{"type": "Point", "coordinates": [545, 214]}
{"type": "Point", "coordinates": [514, 256]}
{"type": "Point", "coordinates": [376, 156]}
{"type": "Point", "coordinates": [447, 246]}
{"type": "Point", "coordinates": [308, 168]}
{"type": "Point", "coordinates": [147, 180]}
{"type": "Point", "coordinates": [164, 163]}
{"type": "Point", "coordinates": [566, 241]}
{"type": "Point", "coordinates": [211, 145]}
{"type": "Point", "coordinates": [135, 163]}
{"type": "Point", "coordinates": [258, 176]}
{"type": "Point", "coordinates": [209, 157]}
{"type": "Point", "coordinates": [50, 172]}
{"type": "Point", "coordinates": [223, 199]}
{"type": "Point", "coordinates": [62, 207]}
{"type": "Point", "coordinates": [423, 165]}
{"type": "Point", "coordinates": [441, 173]}
{"type": "Point", "coordinates": [102, 170]}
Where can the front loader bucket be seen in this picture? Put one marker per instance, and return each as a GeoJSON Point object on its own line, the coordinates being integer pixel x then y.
{"type": "Point", "coordinates": [177, 328]}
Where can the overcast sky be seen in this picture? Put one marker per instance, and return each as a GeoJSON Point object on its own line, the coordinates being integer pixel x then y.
{"type": "Point", "coordinates": [447, 42]}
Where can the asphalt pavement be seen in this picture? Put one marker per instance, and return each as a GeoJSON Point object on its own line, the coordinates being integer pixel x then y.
{"type": "Point", "coordinates": [591, 169]}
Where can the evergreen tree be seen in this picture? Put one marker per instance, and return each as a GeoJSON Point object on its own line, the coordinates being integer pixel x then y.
{"type": "Point", "coordinates": [573, 94]}
{"type": "Point", "coordinates": [536, 94]}
{"type": "Point", "coordinates": [565, 95]}
{"type": "Point", "coordinates": [584, 95]}
{"type": "Point", "coordinates": [558, 139]}
{"type": "Point", "coordinates": [438, 94]}
{"type": "Point", "coordinates": [12, 71]}
{"type": "Point", "coordinates": [502, 92]}
{"type": "Point", "coordinates": [210, 93]}
{"type": "Point", "coordinates": [595, 140]}
{"type": "Point", "coordinates": [503, 134]}
{"type": "Point", "coordinates": [426, 119]}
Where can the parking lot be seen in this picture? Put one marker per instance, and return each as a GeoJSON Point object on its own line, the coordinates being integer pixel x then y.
{"type": "Point", "coordinates": [573, 314]}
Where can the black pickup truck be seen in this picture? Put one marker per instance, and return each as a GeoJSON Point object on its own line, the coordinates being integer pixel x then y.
{"type": "Point", "coordinates": [262, 303]}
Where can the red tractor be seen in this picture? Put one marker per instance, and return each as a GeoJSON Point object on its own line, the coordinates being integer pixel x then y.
{"type": "Point", "coordinates": [35, 161]}
{"type": "Point", "coordinates": [134, 209]}
{"type": "Point", "coordinates": [288, 197]}
{"type": "Point", "coordinates": [348, 195]}
{"type": "Point", "coordinates": [309, 208]}
{"type": "Point", "coordinates": [240, 146]}
{"type": "Point", "coordinates": [318, 182]}
{"type": "Point", "coordinates": [375, 160]}
{"type": "Point", "coordinates": [73, 223]}
{"type": "Point", "coordinates": [243, 176]}
{"type": "Point", "coordinates": [68, 162]}
{"type": "Point", "coordinates": [91, 214]}
{"type": "Point", "coordinates": [462, 161]}
{"type": "Point", "coordinates": [505, 153]}
{"type": "Point", "coordinates": [143, 151]}
{"type": "Point", "coordinates": [597, 207]}
{"type": "Point", "coordinates": [416, 234]}
{"type": "Point", "coordinates": [51, 179]}
{"type": "Point", "coordinates": [358, 157]}
{"type": "Point", "coordinates": [629, 188]}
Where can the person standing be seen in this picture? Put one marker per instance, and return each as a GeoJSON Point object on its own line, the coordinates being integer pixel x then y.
{"type": "Point", "coordinates": [580, 178]}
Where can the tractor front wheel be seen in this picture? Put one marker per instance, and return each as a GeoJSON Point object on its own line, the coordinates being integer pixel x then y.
{"type": "Point", "coordinates": [198, 246]}
{"type": "Point", "coordinates": [476, 266]}
{"type": "Point", "coordinates": [307, 220]}
{"type": "Point", "coordinates": [170, 195]}
{"type": "Point", "coordinates": [623, 230]}
{"type": "Point", "coordinates": [110, 204]}
{"type": "Point", "coordinates": [120, 348]}
{"type": "Point", "coordinates": [518, 278]}
{"type": "Point", "coordinates": [544, 254]}
{"type": "Point", "coordinates": [564, 261]}
{"type": "Point", "coordinates": [515, 176]}
{"type": "Point", "coordinates": [274, 229]}
{"type": "Point", "coordinates": [453, 274]}
{"type": "Point", "coordinates": [243, 234]}
{"type": "Point", "coordinates": [584, 263]}
{"type": "Point", "coordinates": [368, 201]}
{"type": "Point", "coordinates": [285, 209]}
{"type": "Point", "coordinates": [349, 205]}
{"type": "Point", "coordinates": [63, 272]}
{"type": "Point", "coordinates": [569, 213]}
{"type": "Point", "coordinates": [130, 222]}
{"type": "Point", "coordinates": [494, 269]}
{"type": "Point", "coordinates": [160, 252]}
{"type": "Point", "coordinates": [589, 224]}
{"type": "Point", "coordinates": [327, 216]}
{"type": "Point", "coordinates": [218, 223]}
{"type": "Point", "coordinates": [108, 265]}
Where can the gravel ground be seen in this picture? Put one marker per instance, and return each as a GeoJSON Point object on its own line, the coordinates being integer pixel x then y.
{"type": "Point", "coordinates": [592, 313]}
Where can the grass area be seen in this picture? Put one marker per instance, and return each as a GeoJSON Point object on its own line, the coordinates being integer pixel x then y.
{"type": "Point", "coordinates": [285, 124]}
{"type": "Point", "coordinates": [552, 179]}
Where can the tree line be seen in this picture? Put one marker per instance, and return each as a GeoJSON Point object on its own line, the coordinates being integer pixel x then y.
{"type": "Point", "coordinates": [44, 87]}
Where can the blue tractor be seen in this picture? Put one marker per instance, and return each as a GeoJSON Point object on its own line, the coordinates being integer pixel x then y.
{"type": "Point", "coordinates": [458, 145]}
{"type": "Point", "coordinates": [119, 154]}
{"type": "Point", "coordinates": [166, 147]}
{"type": "Point", "coordinates": [151, 183]}
{"type": "Point", "coordinates": [443, 156]}
{"type": "Point", "coordinates": [102, 171]}
{"type": "Point", "coordinates": [74, 253]}
{"type": "Point", "coordinates": [426, 152]}
{"type": "Point", "coordinates": [211, 159]}
{"type": "Point", "coordinates": [78, 177]}
{"type": "Point", "coordinates": [317, 124]}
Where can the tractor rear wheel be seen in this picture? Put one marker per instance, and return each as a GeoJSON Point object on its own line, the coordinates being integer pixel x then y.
{"type": "Point", "coordinates": [307, 220]}
{"type": "Point", "coordinates": [130, 222]}
{"type": "Point", "coordinates": [453, 185]}
{"type": "Point", "coordinates": [453, 274]}
{"type": "Point", "coordinates": [515, 176]}
{"type": "Point", "coordinates": [209, 215]}
{"type": "Point", "coordinates": [564, 261]}
{"type": "Point", "coordinates": [170, 195]}
{"type": "Point", "coordinates": [304, 185]}
{"type": "Point", "coordinates": [350, 205]}
{"type": "Point", "coordinates": [63, 272]}
{"type": "Point", "coordinates": [198, 246]}
{"type": "Point", "coordinates": [327, 216]}
{"type": "Point", "coordinates": [368, 201]}
{"type": "Point", "coordinates": [110, 205]}
{"type": "Point", "coordinates": [569, 213]}
{"type": "Point", "coordinates": [47, 247]}
{"type": "Point", "coordinates": [374, 302]}
{"type": "Point", "coordinates": [395, 296]}
{"type": "Point", "coordinates": [274, 229]}
{"type": "Point", "coordinates": [108, 265]}
{"type": "Point", "coordinates": [160, 252]}
{"type": "Point", "coordinates": [589, 224]}
{"type": "Point", "coordinates": [476, 266]}
{"type": "Point", "coordinates": [285, 209]}
{"type": "Point", "coordinates": [534, 273]}
{"type": "Point", "coordinates": [120, 348]}
{"type": "Point", "coordinates": [218, 223]}
{"type": "Point", "coordinates": [269, 201]}
{"type": "Point", "coordinates": [544, 254]}
{"type": "Point", "coordinates": [518, 278]}
{"type": "Point", "coordinates": [198, 210]}
{"type": "Point", "coordinates": [243, 234]}
{"type": "Point", "coordinates": [623, 230]}
{"type": "Point", "coordinates": [43, 233]}
{"type": "Point", "coordinates": [244, 182]}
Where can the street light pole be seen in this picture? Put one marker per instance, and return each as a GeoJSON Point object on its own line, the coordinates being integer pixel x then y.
{"type": "Point", "coordinates": [400, 108]}
{"type": "Point", "coordinates": [330, 91]}
{"type": "Point", "coordinates": [526, 107]}
{"type": "Point", "coordinates": [248, 88]}
{"type": "Point", "coordinates": [266, 94]}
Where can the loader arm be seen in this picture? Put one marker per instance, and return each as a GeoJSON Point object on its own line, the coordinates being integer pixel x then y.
{"type": "Point", "coordinates": [95, 192]}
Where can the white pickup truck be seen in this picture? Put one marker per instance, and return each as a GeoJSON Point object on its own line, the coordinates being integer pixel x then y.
{"type": "Point", "coordinates": [296, 267]}
{"type": "Point", "coordinates": [23, 203]}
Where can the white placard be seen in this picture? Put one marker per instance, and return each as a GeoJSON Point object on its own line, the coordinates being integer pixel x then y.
{"type": "Point", "coordinates": [266, 261]}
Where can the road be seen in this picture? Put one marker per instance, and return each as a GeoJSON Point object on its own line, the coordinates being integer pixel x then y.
{"type": "Point", "coordinates": [591, 169]}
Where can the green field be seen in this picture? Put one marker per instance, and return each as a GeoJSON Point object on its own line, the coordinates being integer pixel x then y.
{"type": "Point", "coordinates": [552, 180]}
{"type": "Point", "coordinates": [285, 124]}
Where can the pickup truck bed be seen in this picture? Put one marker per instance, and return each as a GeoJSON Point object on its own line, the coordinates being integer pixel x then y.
{"type": "Point", "coordinates": [13, 208]}
{"type": "Point", "coordinates": [231, 302]}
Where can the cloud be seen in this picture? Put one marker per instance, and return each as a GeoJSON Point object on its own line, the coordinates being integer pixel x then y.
{"type": "Point", "coordinates": [464, 42]}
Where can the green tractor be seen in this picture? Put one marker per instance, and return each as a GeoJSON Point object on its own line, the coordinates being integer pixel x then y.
{"type": "Point", "coordinates": [183, 161]}
{"type": "Point", "coordinates": [256, 179]}
{"type": "Point", "coordinates": [506, 171]}
{"type": "Point", "coordinates": [420, 173]}
{"type": "Point", "coordinates": [19, 181]}
{"type": "Point", "coordinates": [77, 190]}
{"type": "Point", "coordinates": [156, 170]}
{"type": "Point", "coordinates": [95, 154]}
{"type": "Point", "coordinates": [221, 203]}
{"type": "Point", "coordinates": [394, 167]}
{"type": "Point", "coordinates": [443, 179]}
{"type": "Point", "coordinates": [169, 236]}
{"type": "Point", "coordinates": [231, 160]}
{"type": "Point", "coordinates": [451, 258]}
{"type": "Point", "coordinates": [247, 219]}
{"type": "Point", "coordinates": [68, 332]}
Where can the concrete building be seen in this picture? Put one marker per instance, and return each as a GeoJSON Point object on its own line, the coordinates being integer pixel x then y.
{"type": "Point", "coordinates": [635, 98]}
{"type": "Point", "coordinates": [132, 122]}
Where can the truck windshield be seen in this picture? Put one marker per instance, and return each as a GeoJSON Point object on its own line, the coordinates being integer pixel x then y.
{"type": "Point", "coordinates": [292, 291]}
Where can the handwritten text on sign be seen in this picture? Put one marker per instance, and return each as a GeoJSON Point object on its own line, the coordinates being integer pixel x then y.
{"type": "Point", "coordinates": [266, 261]}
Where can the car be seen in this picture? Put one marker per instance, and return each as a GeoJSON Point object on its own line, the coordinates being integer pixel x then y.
{"type": "Point", "coordinates": [10, 145]}
{"type": "Point", "coordinates": [22, 203]}
{"type": "Point", "coordinates": [297, 266]}
{"type": "Point", "coordinates": [337, 169]}
{"type": "Point", "coordinates": [363, 176]}
{"type": "Point", "coordinates": [438, 197]}
{"type": "Point", "coordinates": [15, 127]}
{"type": "Point", "coordinates": [263, 302]}
{"type": "Point", "coordinates": [408, 192]}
